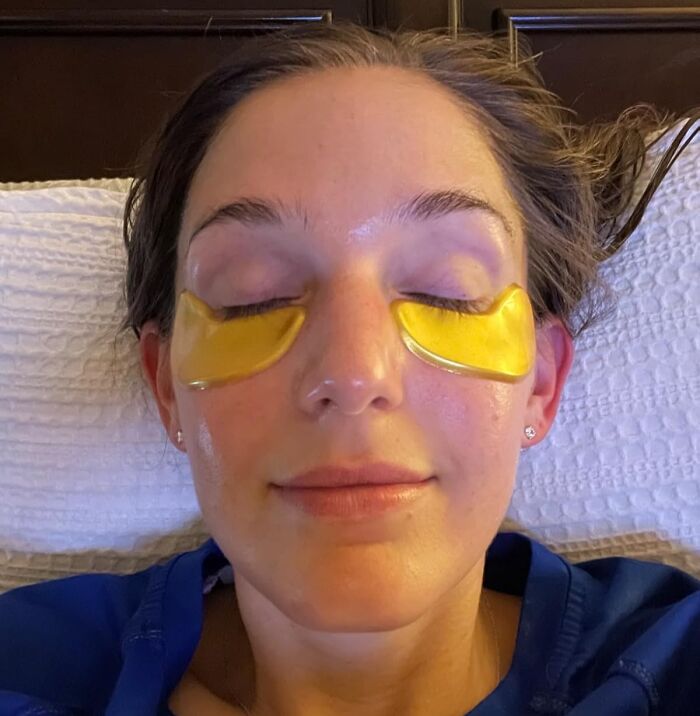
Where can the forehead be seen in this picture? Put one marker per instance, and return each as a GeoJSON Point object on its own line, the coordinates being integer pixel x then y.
{"type": "Point", "coordinates": [346, 144]}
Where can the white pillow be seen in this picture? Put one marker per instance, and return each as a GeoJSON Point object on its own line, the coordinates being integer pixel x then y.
{"type": "Point", "coordinates": [618, 473]}
{"type": "Point", "coordinates": [87, 478]}
{"type": "Point", "coordinates": [89, 481]}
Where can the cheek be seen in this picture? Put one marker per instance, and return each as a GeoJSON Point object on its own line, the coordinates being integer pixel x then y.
{"type": "Point", "coordinates": [229, 432]}
{"type": "Point", "coordinates": [472, 427]}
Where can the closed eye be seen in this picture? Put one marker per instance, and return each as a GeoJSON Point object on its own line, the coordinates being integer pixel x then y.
{"type": "Point", "coordinates": [252, 309]}
{"type": "Point", "coordinates": [449, 304]}
{"type": "Point", "coordinates": [454, 304]}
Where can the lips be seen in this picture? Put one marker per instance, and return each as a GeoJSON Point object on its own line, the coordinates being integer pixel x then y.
{"type": "Point", "coordinates": [376, 473]}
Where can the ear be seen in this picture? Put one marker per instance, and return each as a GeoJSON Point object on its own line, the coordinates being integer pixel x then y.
{"type": "Point", "coordinates": [555, 354]}
{"type": "Point", "coordinates": [155, 364]}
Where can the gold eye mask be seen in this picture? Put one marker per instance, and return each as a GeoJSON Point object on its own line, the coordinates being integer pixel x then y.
{"type": "Point", "coordinates": [498, 343]}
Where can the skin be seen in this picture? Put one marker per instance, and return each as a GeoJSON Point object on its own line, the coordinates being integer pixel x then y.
{"type": "Point", "coordinates": [385, 616]}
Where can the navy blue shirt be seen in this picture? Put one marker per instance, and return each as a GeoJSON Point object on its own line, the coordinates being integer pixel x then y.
{"type": "Point", "coordinates": [608, 637]}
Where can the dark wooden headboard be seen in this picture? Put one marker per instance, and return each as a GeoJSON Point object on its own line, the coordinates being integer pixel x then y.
{"type": "Point", "coordinates": [82, 90]}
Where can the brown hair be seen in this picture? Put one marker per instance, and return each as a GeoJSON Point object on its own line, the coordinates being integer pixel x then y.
{"type": "Point", "coordinates": [571, 182]}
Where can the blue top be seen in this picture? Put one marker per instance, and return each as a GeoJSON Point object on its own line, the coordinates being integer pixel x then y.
{"type": "Point", "coordinates": [608, 637]}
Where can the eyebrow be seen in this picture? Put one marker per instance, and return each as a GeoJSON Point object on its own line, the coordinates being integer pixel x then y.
{"type": "Point", "coordinates": [425, 206]}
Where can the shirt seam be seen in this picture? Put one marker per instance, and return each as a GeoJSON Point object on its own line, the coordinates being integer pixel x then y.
{"type": "Point", "coordinates": [159, 580]}
{"type": "Point", "coordinates": [152, 634]}
{"type": "Point", "coordinates": [642, 676]}
{"type": "Point", "coordinates": [568, 635]}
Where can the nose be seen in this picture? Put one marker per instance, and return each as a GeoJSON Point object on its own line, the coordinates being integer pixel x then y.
{"type": "Point", "coordinates": [352, 356]}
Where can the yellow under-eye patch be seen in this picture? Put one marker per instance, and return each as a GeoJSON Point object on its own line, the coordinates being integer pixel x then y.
{"type": "Point", "coordinates": [498, 343]}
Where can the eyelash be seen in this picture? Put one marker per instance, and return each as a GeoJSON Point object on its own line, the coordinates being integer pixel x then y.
{"type": "Point", "coordinates": [448, 304]}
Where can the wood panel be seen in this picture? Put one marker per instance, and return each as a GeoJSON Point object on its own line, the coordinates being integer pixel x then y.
{"type": "Point", "coordinates": [603, 60]}
{"type": "Point", "coordinates": [83, 90]}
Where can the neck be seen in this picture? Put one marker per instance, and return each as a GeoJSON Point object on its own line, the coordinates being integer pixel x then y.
{"type": "Point", "coordinates": [444, 662]}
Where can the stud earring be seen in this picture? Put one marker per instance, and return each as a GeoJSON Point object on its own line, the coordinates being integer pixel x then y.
{"type": "Point", "coordinates": [179, 437]}
{"type": "Point", "coordinates": [530, 432]}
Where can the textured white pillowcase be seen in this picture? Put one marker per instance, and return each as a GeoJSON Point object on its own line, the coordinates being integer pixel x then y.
{"type": "Point", "coordinates": [89, 481]}
{"type": "Point", "coordinates": [618, 473]}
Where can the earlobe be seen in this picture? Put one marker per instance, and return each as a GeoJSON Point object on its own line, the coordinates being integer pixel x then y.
{"type": "Point", "coordinates": [555, 354]}
{"type": "Point", "coordinates": [154, 354]}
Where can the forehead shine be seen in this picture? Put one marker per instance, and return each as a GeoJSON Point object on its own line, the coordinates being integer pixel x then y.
{"type": "Point", "coordinates": [342, 157]}
{"type": "Point", "coordinates": [424, 206]}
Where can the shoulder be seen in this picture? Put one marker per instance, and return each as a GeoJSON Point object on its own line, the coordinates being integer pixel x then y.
{"type": "Point", "coordinates": [640, 621]}
{"type": "Point", "coordinates": [60, 639]}
{"type": "Point", "coordinates": [84, 643]}
{"type": "Point", "coordinates": [627, 589]}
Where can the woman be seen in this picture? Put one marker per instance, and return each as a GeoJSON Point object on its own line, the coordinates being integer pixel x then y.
{"type": "Point", "coordinates": [362, 257]}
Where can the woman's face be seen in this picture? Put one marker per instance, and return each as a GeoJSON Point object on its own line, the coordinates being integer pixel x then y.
{"type": "Point", "coordinates": [346, 146]}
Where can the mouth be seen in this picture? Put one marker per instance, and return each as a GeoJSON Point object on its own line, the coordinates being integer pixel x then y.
{"type": "Point", "coordinates": [370, 474]}
{"type": "Point", "coordinates": [355, 502]}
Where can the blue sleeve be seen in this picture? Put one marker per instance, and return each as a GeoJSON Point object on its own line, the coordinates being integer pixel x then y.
{"type": "Point", "coordinates": [60, 641]}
